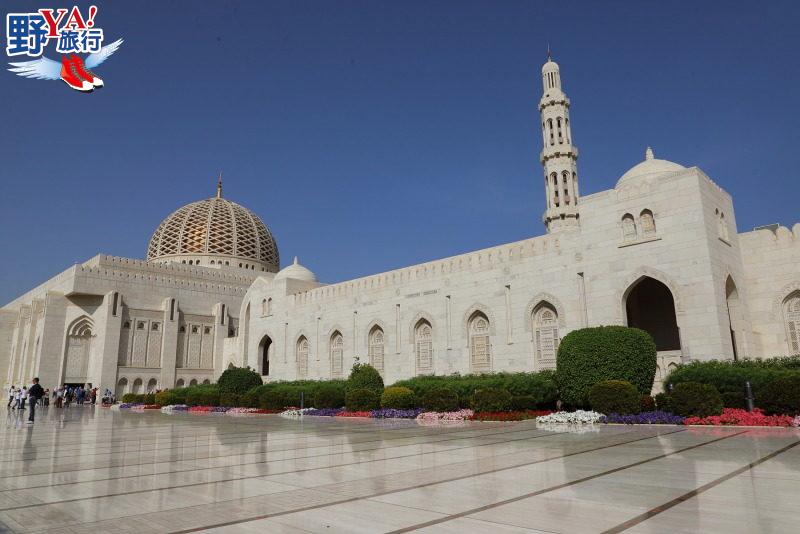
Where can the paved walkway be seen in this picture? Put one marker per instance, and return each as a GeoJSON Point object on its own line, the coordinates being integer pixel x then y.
{"type": "Point", "coordinates": [92, 470]}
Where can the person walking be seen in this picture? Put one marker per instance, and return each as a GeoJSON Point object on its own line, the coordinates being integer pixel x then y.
{"type": "Point", "coordinates": [35, 393]}
{"type": "Point", "coordinates": [23, 396]}
{"type": "Point", "coordinates": [12, 395]}
{"type": "Point", "coordinates": [59, 393]}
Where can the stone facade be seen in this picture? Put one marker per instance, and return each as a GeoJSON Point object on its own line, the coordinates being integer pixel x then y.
{"type": "Point", "coordinates": [659, 251]}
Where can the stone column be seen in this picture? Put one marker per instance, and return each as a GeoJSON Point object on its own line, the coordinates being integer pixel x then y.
{"type": "Point", "coordinates": [105, 345]}
{"type": "Point", "coordinates": [169, 342]}
{"type": "Point", "coordinates": [52, 342]}
{"type": "Point", "coordinates": [220, 333]}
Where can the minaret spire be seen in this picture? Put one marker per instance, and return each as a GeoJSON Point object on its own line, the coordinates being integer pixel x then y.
{"type": "Point", "coordinates": [558, 157]}
{"type": "Point", "coordinates": [219, 185]}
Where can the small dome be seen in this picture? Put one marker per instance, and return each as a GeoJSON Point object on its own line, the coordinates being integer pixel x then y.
{"type": "Point", "coordinates": [649, 168]}
{"type": "Point", "coordinates": [549, 66]}
{"type": "Point", "coordinates": [295, 271]}
{"type": "Point", "coordinates": [215, 228]}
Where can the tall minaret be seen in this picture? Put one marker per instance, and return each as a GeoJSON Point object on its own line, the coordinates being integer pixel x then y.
{"type": "Point", "coordinates": [559, 157]}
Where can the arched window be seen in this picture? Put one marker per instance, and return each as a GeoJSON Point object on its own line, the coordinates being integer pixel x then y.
{"type": "Point", "coordinates": [550, 129]}
{"type": "Point", "coordinates": [648, 223]}
{"type": "Point", "coordinates": [337, 354]}
{"type": "Point", "coordinates": [792, 314]}
{"type": "Point", "coordinates": [628, 227]}
{"type": "Point", "coordinates": [301, 355]}
{"type": "Point", "coordinates": [264, 307]}
{"type": "Point", "coordinates": [137, 386]}
{"type": "Point", "coordinates": [193, 382]}
{"type": "Point", "coordinates": [122, 384]}
{"type": "Point", "coordinates": [264, 353]}
{"type": "Point", "coordinates": [179, 383]}
{"type": "Point", "coordinates": [206, 381]}
{"type": "Point", "coordinates": [560, 135]}
{"type": "Point", "coordinates": [545, 335]}
{"type": "Point", "coordinates": [565, 184]}
{"type": "Point", "coordinates": [480, 356]}
{"type": "Point", "coordinates": [423, 346]}
{"type": "Point", "coordinates": [151, 385]}
{"type": "Point", "coordinates": [376, 342]}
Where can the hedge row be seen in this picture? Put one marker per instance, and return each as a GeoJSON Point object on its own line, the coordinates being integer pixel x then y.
{"type": "Point", "coordinates": [534, 390]}
{"type": "Point", "coordinates": [729, 377]}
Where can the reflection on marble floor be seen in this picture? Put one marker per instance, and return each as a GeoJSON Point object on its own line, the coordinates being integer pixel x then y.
{"type": "Point", "coordinates": [86, 469]}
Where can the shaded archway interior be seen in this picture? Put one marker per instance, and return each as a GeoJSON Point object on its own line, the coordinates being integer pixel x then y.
{"type": "Point", "coordinates": [651, 307]}
{"type": "Point", "coordinates": [263, 354]}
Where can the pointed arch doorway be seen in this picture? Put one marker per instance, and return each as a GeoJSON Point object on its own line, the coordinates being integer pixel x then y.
{"type": "Point", "coordinates": [264, 353]}
{"type": "Point", "coordinates": [650, 306]}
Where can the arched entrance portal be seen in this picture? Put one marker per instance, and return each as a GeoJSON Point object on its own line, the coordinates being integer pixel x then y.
{"type": "Point", "coordinates": [649, 305]}
{"type": "Point", "coordinates": [264, 352]}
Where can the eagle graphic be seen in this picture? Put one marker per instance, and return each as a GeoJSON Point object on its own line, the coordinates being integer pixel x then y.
{"type": "Point", "coordinates": [72, 69]}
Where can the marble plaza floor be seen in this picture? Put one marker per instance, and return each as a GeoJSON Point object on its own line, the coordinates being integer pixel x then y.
{"type": "Point", "coordinates": [92, 470]}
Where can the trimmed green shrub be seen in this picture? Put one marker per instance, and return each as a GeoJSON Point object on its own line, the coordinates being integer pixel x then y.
{"type": "Point", "coordinates": [149, 398]}
{"type": "Point", "coordinates": [694, 399]}
{"type": "Point", "coordinates": [398, 397]}
{"type": "Point", "coordinates": [250, 399]}
{"type": "Point", "coordinates": [271, 399]}
{"type": "Point", "coordinates": [329, 396]}
{"type": "Point", "coordinates": [781, 397]}
{"type": "Point", "coordinates": [647, 403]}
{"type": "Point", "coordinates": [662, 402]}
{"type": "Point", "coordinates": [732, 399]}
{"type": "Point", "coordinates": [230, 400]}
{"type": "Point", "coordinates": [361, 400]}
{"type": "Point", "coordinates": [729, 377]}
{"type": "Point", "coordinates": [238, 380]}
{"type": "Point", "coordinates": [364, 376]}
{"type": "Point", "coordinates": [541, 386]}
{"type": "Point", "coordinates": [615, 396]}
{"type": "Point", "coordinates": [166, 397]}
{"type": "Point", "coordinates": [133, 397]}
{"type": "Point", "coordinates": [491, 400]}
{"type": "Point", "coordinates": [203, 396]}
{"type": "Point", "coordinates": [520, 403]}
{"type": "Point", "coordinates": [440, 399]}
{"type": "Point", "coordinates": [591, 355]}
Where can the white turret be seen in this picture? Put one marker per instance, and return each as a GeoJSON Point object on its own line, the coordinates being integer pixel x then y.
{"type": "Point", "coordinates": [558, 157]}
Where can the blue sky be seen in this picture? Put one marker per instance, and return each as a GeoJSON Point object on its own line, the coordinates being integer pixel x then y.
{"type": "Point", "coordinates": [374, 135]}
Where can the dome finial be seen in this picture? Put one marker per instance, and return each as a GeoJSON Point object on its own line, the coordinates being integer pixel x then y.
{"type": "Point", "coordinates": [648, 154]}
{"type": "Point", "coordinates": [219, 185]}
{"type": "Point", "coordinates": [549, 54]}
{"type": "Point", "coordinates": [295, 261]}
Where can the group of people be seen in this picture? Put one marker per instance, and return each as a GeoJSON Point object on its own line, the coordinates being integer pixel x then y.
{"type": "Point", "coordinates": [33, 395]}
{"type": "Point", "coordinates": [62, 397]}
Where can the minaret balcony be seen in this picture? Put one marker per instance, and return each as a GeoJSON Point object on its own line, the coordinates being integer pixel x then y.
{"type": "Point", "coordinates": [555, 151]}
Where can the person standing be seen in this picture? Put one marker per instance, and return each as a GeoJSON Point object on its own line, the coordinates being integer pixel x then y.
{"type": "Point", "coordinates": [12, 395]}
{"type": "Point", "coordinates": [35, 393]}
{"type": "Point", "coordinates": [23, 396]}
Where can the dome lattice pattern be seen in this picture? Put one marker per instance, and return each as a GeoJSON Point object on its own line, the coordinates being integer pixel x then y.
{"type": "Point", "coordinates": [215, 226]}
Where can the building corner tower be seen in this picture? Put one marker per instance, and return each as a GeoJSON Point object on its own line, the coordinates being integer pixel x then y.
{"type": "Point", "coordinates": [558, 157]}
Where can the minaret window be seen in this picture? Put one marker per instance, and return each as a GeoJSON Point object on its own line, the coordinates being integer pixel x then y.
{"type": "Point", "coordinates": [560, 136]}
{"type": "Point", "coordinates": [628, 227]}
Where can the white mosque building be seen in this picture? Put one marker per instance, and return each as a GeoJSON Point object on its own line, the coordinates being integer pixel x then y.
{"type": "Point", "coordinates": [659, 251]}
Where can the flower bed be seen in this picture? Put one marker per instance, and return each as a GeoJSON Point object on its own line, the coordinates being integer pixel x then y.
{"type": "Point", "coordinates": [143, 407]}
{"type": "Point", "coordinates": [208, 409]}
{"type": "Point", "coordinates": [578, 417]}
{"type": "Point", "coordinates": [126, 405]}
{"type": "Point", "coordinates": [353, 414]}
{"type": "Point", "coordinates": [174, 408]}
{"type": "Point", "coordinates": [325, 412]}
{"type": "Point", "coordinates": [247, 411]}
{"type": "Point", "coordinates": [295, 412]}
{"type": "Point", "coordinates": [391, 413]}
{"type": "Point", "coordinates": [460, 415]}
{"type": "Point", "coordinates": [739, 417]}
{"type": "Point", "coordinates": [644, 418]}
{"type": "Point", "coordinates": [510, 416]}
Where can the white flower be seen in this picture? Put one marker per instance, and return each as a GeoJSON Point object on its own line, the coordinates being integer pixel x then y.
{"type": "Point", "coordinates": [578, 417]}
{"type": "Point", "coordinates": [295, 413]}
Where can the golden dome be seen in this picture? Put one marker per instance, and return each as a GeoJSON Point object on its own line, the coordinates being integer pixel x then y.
{"type": "Point", "coordinates": [215, 232]}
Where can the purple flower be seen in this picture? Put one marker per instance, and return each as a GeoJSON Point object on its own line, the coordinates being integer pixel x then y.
{"type": "Point", "coordinates": [391, 413]}
{"type": "Point", "coordinates": [644, 418]}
